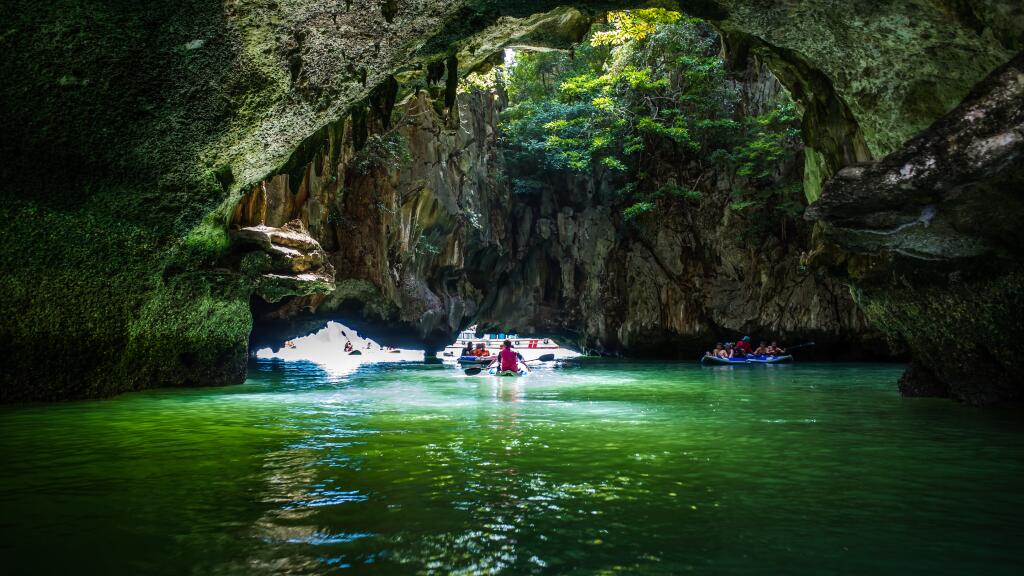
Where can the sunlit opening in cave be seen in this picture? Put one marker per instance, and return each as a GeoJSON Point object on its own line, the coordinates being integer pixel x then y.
{"type": "Point", "coordinates": [338, 348]}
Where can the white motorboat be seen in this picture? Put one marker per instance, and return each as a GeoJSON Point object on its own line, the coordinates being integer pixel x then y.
{"type": "Point", "coordinates": [530, 348]}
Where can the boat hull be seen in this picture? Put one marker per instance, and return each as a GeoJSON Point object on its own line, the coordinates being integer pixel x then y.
{"type": "Point", "coordinates": [508, 373]}
{"type": "Point", "coordinates": [749, 360]}
{"type": "Point", "coordinates": [475, 360]}
{"type": "Point", "coordinates": [530, 348]}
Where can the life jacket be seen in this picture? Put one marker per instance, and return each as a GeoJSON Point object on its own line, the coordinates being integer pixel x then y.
{"type": "Point", "coordinates": [508, 360]}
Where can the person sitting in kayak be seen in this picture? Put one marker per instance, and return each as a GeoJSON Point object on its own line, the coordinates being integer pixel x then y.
{"type": "Point", "coordinates": [738, 352]}
{"type": "Point", "coordinates": [481, 351]}
{"type": "Point", "coordinates": [468, 350]}
{"type": "Point", "coordinates": [763, 349]}
{"type": "Point", "coordinates": [743, 345]}
{"type": "Point", "coordinates": [720, 351]}
{"type": "Point", "coordinates": [775, 350]}
{"type": "Point", "coordinates": [508, 359]}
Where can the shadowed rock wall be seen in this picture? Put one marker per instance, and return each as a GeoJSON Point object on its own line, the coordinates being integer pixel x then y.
{"type": "Point", "coordinates": [426, 244]}
{"type": "Point", "coordinates": [131, 131]}
{"type": "Point", "coordinates": [933, 233]}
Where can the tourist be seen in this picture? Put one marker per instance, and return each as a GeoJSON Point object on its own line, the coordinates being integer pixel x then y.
{"type": "Point", "coordinates": [508, 359]}
{"type": "Point", "coordinates": [776, 350]}
{"type": "Point", "coordinates": [762, 349]}
{"type": "Point", "coordinates": [729, 350]}
{"type": "Point", "coordinates": [743, 344]}
{"type": "Point", "coordinates": [348, 346]}
{"type": "Point", "coordinates": [720, 351]}
{"type": "Point", "coordinates": [481, 351]}
{"type": "Point", "coordinates": [468, 350]}
{"type": "Point", "coordinates": [738, 351]}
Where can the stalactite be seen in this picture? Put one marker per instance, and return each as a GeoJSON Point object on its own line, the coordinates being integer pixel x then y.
{"type": "Point", "coordinates": [451, 84]}
{"type": "Point", "coordinates": [382, 100]}
{"type": "Point", "coordinates": [360, 130]}
{"type": "Point", "coordinates": [435, 71]}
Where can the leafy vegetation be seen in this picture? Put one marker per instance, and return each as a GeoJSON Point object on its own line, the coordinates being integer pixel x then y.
{"type": "Point", "coordinates": [648, 82]}
{"type": "Point", "coordinates": [382, 151]}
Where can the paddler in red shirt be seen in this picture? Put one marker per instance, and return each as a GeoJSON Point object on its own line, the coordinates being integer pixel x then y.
{"type": "Point", "coordinates": [509, 360]}
{"type": "Point", "coordinates": [744, 344]}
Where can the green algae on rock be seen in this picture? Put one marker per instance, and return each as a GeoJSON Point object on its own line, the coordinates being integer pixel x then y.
{"type": "Point", "coordinates": [132, 130]}
{"type": "Point", "coordinates": [939, 224]}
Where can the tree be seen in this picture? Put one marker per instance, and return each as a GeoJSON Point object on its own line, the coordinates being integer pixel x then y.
{"type": "Point", "coordinates": [647, 79]}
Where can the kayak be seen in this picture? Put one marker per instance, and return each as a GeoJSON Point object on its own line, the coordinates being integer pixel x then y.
{"type": "Point", "coordinates": [709, 360]}
{"type": "Point", "coordinates": [473, 360]}
{"type": "Point", "coordinates": [509, 373]}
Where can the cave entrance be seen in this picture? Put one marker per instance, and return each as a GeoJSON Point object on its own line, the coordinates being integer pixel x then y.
{"type": "Point", "coordinates": [338, 348]}
{"type": "Point", "coordinates": [561, 191]}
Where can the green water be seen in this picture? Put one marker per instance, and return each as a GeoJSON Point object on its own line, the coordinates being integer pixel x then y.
{"type": "Point", "coordinates": [603, 468]}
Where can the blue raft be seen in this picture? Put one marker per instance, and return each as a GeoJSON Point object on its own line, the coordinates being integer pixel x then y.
{"type": "Point", "coordinates": [709, 360]}
{"type": "Point", "coordinates": [475, 360]}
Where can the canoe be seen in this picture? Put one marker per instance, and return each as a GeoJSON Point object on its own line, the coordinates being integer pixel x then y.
{"type": "Point", "coordinates": [509, 373]}
{"type": "Point", "coordinates": [709, 360]}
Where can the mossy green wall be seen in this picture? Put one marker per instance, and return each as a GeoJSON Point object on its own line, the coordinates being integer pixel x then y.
{"type": "Point", "coordinates": [963, 326]}
{"type": "Point", "coordinates": [129, 129]}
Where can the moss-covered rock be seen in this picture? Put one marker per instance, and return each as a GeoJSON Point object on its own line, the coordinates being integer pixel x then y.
{"type": "Point", "coordinates": [131, 130]}
{"type": "Point", "coordinates": [936, 226]}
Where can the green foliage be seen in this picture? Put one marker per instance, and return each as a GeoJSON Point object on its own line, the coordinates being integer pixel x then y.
{"type": "Point", "coordinates": [382, 152]}
{"type": "Point", "coordinates": [631, 25]}
{"type": "Point", "coordinates": [480, 81]}
{"type": "Point", "coordinates": [674, 190]}
{"type": "Point", "coordinates": [770, 138]}
{"type": "Point", "coordinates": [425, 244]}
{"type": "Point", "coordinates": [647, 79]}
{"type": "Point", "coordinates": [637, 209]}
{"type": "Point", "coordinates": [769, 206]}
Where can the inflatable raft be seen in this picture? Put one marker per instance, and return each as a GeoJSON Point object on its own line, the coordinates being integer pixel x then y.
{"type": "Point", "coordinates": [709, 360]}
{"type": "Point", "coordinates": [475, 360]}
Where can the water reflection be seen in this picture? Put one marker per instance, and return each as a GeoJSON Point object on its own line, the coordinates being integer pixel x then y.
{"type": "Point", "coordinates": [608, 467]}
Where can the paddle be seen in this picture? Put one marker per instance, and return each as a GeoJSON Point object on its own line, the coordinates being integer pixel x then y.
{"type": "Point", "coordinates": [799, 346]}
{"type": "Point", "coordinates": [476, 369]}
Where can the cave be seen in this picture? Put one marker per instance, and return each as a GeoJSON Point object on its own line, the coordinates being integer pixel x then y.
{"type": "Point", "coordinates": [126, 258]}
{"type": "Point", "coordinates": [497, 287]}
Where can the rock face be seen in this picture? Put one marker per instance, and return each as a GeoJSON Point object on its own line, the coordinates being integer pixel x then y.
{"type": "Point", "coordinates": [435, 240]}
{"type": "Point", "coordinates": [408, 234]}
{"type": "Point", "coordinates": [670, 282]}
{"type": "Point", "coordinates": [935, 232]}
{"type": "Point", "coordinates": [154, 119]}
{"type": "Point", "coordinates": [289, 261]}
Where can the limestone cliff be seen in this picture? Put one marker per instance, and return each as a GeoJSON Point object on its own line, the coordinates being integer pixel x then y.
{"type": "Point", "coordinates": [672, 281]}
{"type": "Point", "coordinates": [410, 232]}
{"type": "Point", "coordinates": [131, 131]}
{"type": "Point", "coordinates": [436, 239]}
{"type": "Point", "coordinates": [934, 232]}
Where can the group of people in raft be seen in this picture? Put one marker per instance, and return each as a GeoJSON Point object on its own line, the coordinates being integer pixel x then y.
{"type": "Point", "coordinates": [507, 359]}
{"type": "Point", "coordinates": [742, 349]}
